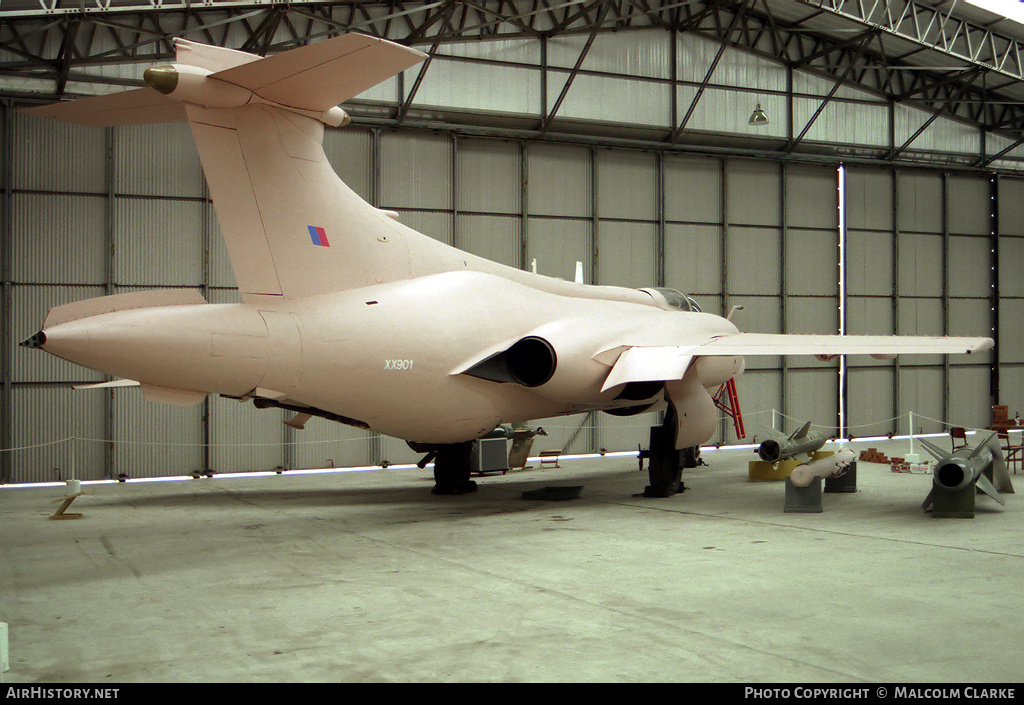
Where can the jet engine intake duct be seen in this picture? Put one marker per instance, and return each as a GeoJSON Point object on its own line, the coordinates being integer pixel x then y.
{"type": "Point", "coordinates": [953, 475]}
{"type": "Point", "coordinates": [770, 451]}
{"type": "Point", "coordinates": [530, 362]}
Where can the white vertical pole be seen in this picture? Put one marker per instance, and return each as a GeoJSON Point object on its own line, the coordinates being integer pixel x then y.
{"type": "Point", "coordinates": [911, 415]}
{"type": "Point", "coordinates": [73, 485]}
{"type": "Point", "coordinates": [5, 654]}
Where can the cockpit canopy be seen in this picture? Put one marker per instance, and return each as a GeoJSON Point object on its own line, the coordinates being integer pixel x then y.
{"type": "Point", "coordinates": [673, 298]}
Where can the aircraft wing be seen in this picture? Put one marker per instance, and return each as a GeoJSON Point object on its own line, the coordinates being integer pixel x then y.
{"type": "Point", "coordinates": [830, 345]}
{"type": "Point", "coordinates": [670, 362]}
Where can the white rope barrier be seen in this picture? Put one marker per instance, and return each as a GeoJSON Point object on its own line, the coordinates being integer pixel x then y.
{"type": "Point", "coordinates": [552, 429]}
{"type": "Point", "coordinates": [570, 427]}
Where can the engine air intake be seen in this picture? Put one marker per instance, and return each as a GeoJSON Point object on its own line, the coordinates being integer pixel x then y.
{"type": "Point", "coordinates": [530, 362]}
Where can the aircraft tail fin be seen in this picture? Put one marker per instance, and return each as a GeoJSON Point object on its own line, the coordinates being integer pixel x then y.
{"type": "Point", "coordinates": [291, 227]}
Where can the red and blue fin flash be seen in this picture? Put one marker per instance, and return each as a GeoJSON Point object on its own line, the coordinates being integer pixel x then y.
{"type": "Point", "coordinates": [319, 236]}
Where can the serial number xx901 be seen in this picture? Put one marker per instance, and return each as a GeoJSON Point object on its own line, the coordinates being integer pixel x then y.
{"type": "Point", "coordinates": [398, 364]}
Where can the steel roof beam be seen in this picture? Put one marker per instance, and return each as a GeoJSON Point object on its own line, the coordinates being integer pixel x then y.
{"type": "Point", "coordinates": [40, 45]}
{"type": "Point", "coordinates": [934, 28]}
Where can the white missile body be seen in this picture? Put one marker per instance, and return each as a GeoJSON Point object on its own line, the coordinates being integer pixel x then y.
{"type": "Point", "coordinates": [829, 466]}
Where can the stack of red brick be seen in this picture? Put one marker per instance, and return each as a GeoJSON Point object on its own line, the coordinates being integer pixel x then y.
{"type": "Point", "coordinates": [872, 455]}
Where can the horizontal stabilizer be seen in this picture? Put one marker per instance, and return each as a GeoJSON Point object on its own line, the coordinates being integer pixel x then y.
{"type": "Point", "coordinates": [209, 57]}
{"type": "Point", "coordinates": [320, 76]}
{"type": "Point", "coordinates": [315, 78]}
{"type": "Point", "coordinates": [143, 106]}
{"type": "Point", "coordinates": [121, 302]}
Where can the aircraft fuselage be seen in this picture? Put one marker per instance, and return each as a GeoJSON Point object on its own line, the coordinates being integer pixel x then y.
{"type": "Point", "coordinates": [391, 356]}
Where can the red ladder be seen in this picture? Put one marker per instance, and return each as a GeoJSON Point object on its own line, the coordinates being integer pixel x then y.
{"type": "Point", "coordinates": [731, 405]}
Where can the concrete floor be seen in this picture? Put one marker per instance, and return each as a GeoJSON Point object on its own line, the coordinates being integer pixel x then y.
{"type": "Point", "coordinates": [366, 576]}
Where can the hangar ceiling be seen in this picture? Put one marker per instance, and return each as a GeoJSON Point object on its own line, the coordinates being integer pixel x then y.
{"type": "Point", "coordinates": [947, 58]}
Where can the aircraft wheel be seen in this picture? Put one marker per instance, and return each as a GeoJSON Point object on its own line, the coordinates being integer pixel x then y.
{"type": "Point", "coordinates": [690, 457]}
{"type": "Point", "coordinates": [663, 466]}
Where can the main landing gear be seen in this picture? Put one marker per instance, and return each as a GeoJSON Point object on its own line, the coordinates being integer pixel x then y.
{"type": "Point", "coordinates": [665, 462]}
{"type": "Point", "coordinates": [452, 463]}
{"type": "Point", "coordinates": [451, 468]}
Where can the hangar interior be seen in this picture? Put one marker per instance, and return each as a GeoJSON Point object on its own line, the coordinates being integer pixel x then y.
{"type": "Point", "coordinates": [882, 196]}
{"type": "Point", "coordinates": [885, 194]}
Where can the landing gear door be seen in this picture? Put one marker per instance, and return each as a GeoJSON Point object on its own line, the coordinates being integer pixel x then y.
{"type": "Point", "coordinates": [695, 411]}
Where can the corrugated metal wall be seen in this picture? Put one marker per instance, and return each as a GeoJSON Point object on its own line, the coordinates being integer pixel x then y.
{"type": "Point", "coordinates": [1010, 311]}
{"type": "Point", "coordinates": [922, 261]}
{"type": "Point", "coordinates": [94, 212]}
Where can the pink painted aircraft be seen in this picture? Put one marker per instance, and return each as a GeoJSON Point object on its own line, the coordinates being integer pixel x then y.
{"type": "Point", "coordinates": [348, 314]}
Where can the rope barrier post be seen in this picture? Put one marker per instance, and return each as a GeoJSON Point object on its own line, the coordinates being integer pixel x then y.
{"type": "Point", "coordinates": [912, 456]}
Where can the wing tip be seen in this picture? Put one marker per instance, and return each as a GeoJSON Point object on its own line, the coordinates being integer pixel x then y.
{"type": "Point", "coordinates": [982, 345]}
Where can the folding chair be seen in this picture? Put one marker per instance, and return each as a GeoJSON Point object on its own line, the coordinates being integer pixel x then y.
{"type": "Point", "coordinates": [956, 433]}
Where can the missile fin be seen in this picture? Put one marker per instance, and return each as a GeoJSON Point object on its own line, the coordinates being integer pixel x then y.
{"type": "Point", "coordinates": [997, 471]}
{"type": "Point", "coordinates": [980, 447]}
{"type": "Point", "coordinates": [298, 422]}
{"type": "Point", "coordinates": [801, 432]}
{"type": "Point", "coordinates": [934, 450]}
{"type": "Point", "coordinates": [988, 488]}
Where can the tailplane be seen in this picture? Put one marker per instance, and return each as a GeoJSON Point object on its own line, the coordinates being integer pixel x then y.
{"type": "Point", "coordinates": [291, 227]}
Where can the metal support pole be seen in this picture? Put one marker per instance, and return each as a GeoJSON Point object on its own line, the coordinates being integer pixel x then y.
{"type": "Point", "coordinates": [205, 429]}
{"type": "Point", "coordinates": [843, 381]}
{"type": "Point", "coordinates": [724, 244]}
{"type": "Point", "coordinates": [456, 236]}
{"type": "Point", "coordinates": [945, 292]}
{"type": "Point", "coordinates": [6, 232]}
{"type": "Point", "coordinates": [994, 378]}
{"type": "Point", "coordinates": [659, 235]}
{"type": "Point", "coordinates": [524, 205]}
{"type": "Point", "coordinates": [109, 427]}
{"type": "Point", "coordinates": [594, 264]}
{"type": "Point", "coordinates": [374, 441]}
{"type": "Point", "coordinates": [784, 283]}
{"type": "Point", "coordinates": [896, 397]}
